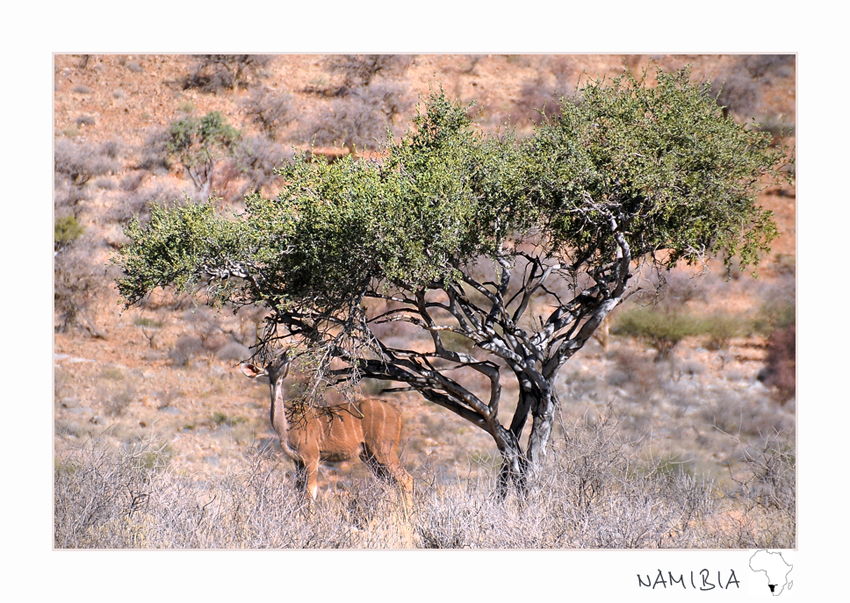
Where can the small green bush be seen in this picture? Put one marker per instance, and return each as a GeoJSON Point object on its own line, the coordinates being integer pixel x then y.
{"type": "Point", "coordinates": [65, 231]}
{"type": "Point", "coordinates": [199, 144]}
{"type": "Point", "coordinates": [141, 321]}
{"type": "Point", "coordinates": [721, 327]}
{"type": "Point", "coordinates": [774, 314]}
{"type": "Point", "coordinates": [220, 418]}
{"type": "Point", "coordinates": [661, 329]}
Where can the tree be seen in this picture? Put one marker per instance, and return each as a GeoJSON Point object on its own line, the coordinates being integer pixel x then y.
{"type": "Point", "coordinates": [491, 258]}
{"type": "Point", "coordinates": [199, 144]}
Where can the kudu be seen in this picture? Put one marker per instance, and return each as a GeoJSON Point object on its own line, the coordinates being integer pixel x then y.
{"type": "Point", "coordinates": [370, 429]}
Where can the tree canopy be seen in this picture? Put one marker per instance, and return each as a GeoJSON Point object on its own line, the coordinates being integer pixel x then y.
{"type": "Point", "coordinates": [504, 253]}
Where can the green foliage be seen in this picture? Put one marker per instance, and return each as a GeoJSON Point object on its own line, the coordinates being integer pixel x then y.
{"type": "Point", "coordinates": [663, 327]}
{"type": "Point", "coordinates": [199, 143]}
{"type": "Point", "coordinates": [663, 330]}
{"type": "Point", "coordinates": [197, 140]}
{"type": "Point", "coordinates": [776, 313]}
{"type": "Point", "coordinates": [442, 197]}
{"type": "Point", "coordinates": [174, 246]}
{"type": "Point", "coordinates": [141, 321]}
{"type": "Point", "coordinates": [625, 171]}
{"type": "Point", "coordinates": [220, 418]}
{"type": "Point", "coordinates": [663, 162]}
{"type": "Point", "coordinates": [66, 230]}
{"type": "Point", "coordinates": [721, 327]}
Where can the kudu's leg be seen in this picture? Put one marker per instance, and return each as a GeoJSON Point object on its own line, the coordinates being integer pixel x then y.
{"type": "Point", "coordinates": [306, 481]}
{"type": "Point", "coordinates": [388, 467]}
{"type": "Point", "coordinates": [300, 477]}
{"type": "Point", "coordinates": [312, 472]}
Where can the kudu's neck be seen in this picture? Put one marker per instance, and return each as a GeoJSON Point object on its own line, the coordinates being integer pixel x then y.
{"type": "Point", "coordinates": [277, 413]}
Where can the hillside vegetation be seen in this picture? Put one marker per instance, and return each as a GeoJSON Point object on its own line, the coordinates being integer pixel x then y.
{"type": "Point", "coordinates": [686, 399]}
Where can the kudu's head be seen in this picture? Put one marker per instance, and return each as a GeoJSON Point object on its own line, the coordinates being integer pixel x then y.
{"type": "Point", "coordinates": [276, 371]}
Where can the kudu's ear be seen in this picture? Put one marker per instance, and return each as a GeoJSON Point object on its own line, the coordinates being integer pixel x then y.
{"type": "Point", "coordinates": [249, 370]}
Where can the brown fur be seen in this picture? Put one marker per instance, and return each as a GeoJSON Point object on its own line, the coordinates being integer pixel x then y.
{"type": "Point", "coordinates": [370, 430]}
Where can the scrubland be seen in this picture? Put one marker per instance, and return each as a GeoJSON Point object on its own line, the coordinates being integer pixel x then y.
{"type": "Point", "coordinates": [677, 426]}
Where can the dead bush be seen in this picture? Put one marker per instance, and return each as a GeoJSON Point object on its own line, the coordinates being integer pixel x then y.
{"type": "Point", "coordinates": [597, 489]}
{"type": "Point", "coordinates": [136, 203]}
{"type": "Point", "coordinates": [739, 89]}
{"type": "Point", "coordinates": [257, 158]}
{"type": "Point", "coordinates": [359, 118]}
{"type": "Point", "coordinates": [765, 495]}
{"type": "Point", "coordinates": [80, 162]}
{"type": "Point", "coordinates": [269, 109]}
{"type": "Point", "coordinates": [216, 72]}
{"type": "Point", "coordinates": [155, 156]}
{"type": "Point", "coordinates": [233, 352]}
{"type": "Point", "coordinates": [77, 284]}
{"type": "Point", "coordinates": [634, 372]}
{"type": "Point", "coordinates": [186, 348]}
{"type": "Point", "coordinates": [358, 71]}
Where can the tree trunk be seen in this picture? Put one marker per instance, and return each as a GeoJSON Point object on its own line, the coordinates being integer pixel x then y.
{"type": "Point", "coordinates": [514, 465]}
{"type": "Point", "coordinates": [543, 417]}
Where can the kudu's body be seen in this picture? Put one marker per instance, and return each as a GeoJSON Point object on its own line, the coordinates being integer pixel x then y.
{"type": "Point", "coordinates": [370, 430]}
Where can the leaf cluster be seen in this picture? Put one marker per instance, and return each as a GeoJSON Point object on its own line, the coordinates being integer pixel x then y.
{"type": "Point", "coordinates": [175, 247]}
{"type": "Point", "coordinates": [664, 162]}
{"type": "Point", "coordinates": [201, 141]}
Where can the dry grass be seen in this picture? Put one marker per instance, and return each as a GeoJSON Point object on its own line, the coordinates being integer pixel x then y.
{"type": "Point", "coordinates": [597, 491]}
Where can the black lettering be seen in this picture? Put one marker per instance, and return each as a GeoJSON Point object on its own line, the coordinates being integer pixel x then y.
{"type": "Point", "coordinates": [733, 579]}
{"type": "Point", "coordinates": [681, 579]}
{"type": "Point", "coordinates": [661, 579]}
{"type": "Point", "coordinates": [705, 583]}
{"type": "Point", "coordinates": [640, 581]}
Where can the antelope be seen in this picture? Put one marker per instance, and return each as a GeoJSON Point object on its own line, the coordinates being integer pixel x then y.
{"type": "Point", "coordinates": [370, 430]}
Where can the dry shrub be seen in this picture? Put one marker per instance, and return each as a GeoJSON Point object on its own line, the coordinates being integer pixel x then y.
{"type": "Point", "coordinates": [634, 372]}
{"type": "Point", "coordinates": [760, 510]}
{"type": "Point", "coordinates": [359, 118]}
{"type": "Point", "coordinates": [233, 352]}
{"type": "Point", "coordinates": [215, 72]}
{"type": "Point", "coordinates": [186, 348]}
{"type": "Point", "coordinates": [540, 98]}
{"type": "Point", "coordinates": [359, 70]}
{"type": "Point", "coordinates": [77, 285]}
{"type": "Point", "coordinates": [269, 109]}
{"type": "Point", "coordinates": [154, 156]}
{"type": "Point", "coordinates": [80, 162]}
{"type": "Point", "coordinates": [740, 87]}
{"type": "Point", "coordinates": [130, 499]}
{"type": "Point", "coordinates": [257, 158]}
